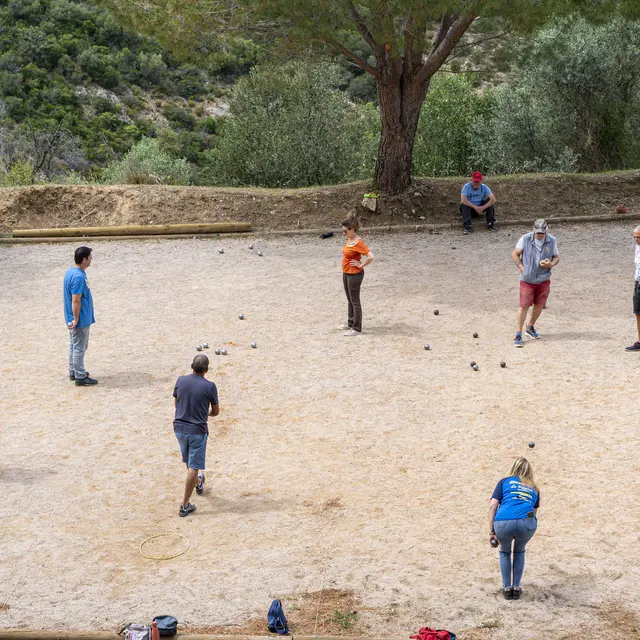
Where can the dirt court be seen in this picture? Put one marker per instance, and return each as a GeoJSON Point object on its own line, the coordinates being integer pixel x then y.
{"type": "Point", "coordinates": [344, 474]}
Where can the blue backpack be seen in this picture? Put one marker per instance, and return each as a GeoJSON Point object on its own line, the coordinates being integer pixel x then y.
{"type": "Point", "coordinates": [276, 620]}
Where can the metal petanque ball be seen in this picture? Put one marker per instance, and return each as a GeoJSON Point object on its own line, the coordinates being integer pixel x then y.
{"type": "Point", "coordinates": [217, 352]}
{"type": "Point", "coordinates": [259, 253]}
{"type": "Point", "coordinates": [494, 542]}
{"type": "Point", "coordinates": [205, 345]}
{"type": "Point", "coordinates": [254, 345]}
{"type": "Point", "coordinates": [427, 347]}
{"type": "Point", "coordinates": [475, 335]}
{"type": "Point", "coordinates": [503, 364]}
{"type": "Point", "coordinates": [223, 352]}
{"type": "Point", "coordinates": [241, 316]}
{"type": "Point", "coordinates": [436, 312]}
{"type": "Point", "coordinates": [472, 363]}
{"type": "Point", "coordinates": [220, 250]}
{"type": "Point", "coordinates": [250, 246]}
{"type": "Point", "coordinates": [199, 347]}
{"type": "Point", "coordinates": [531, 445]}
{"type": "Point", "coordinates": [475, 367]}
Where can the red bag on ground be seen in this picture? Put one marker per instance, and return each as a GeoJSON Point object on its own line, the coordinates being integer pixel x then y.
{"type": "Point", "coordinates": [433, 634]}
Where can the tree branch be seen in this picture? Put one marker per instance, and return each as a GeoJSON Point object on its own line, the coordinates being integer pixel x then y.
{"type": "Point", "coordinates": [438, 56]}
{"type": "Point", "coordinates": [481, 40]}
{"type": "Point", "coordinates": [443, 28]}
{"type": "Point", "coordinates": [409, 39]}
{"type": "Point", "coordinates": [357, 60]}
{"type": "Point", "coordinates": [361, 26]}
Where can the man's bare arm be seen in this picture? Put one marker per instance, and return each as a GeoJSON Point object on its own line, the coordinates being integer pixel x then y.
{"type": "Point", "coordinates": [76, 304]}
{"type": "Point", "coordinates": [516, 257]}
{"type": "Point", "coordinates": [486, 205]}
{"type": "Point", "coordinates": [215, 410]}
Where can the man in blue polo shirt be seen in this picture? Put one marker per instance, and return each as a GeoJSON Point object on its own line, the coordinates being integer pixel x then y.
{"type": "Point", "coordinates": [78, 314]}
{"type": "Point", "coordinates": [476, 198]}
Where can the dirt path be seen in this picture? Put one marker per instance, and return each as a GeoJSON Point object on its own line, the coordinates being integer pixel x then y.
{"type": "Point", "coordinates": [360, 465]}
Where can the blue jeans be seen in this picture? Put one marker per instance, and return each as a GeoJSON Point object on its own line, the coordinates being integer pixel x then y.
{"type": "Point", "coordinates": [519, 532]}
{"type": "Point", "coordinates": [78, 343]}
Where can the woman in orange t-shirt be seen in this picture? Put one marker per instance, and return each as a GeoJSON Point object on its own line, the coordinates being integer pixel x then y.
{"type": "Point", "coordinates": [355, 256]}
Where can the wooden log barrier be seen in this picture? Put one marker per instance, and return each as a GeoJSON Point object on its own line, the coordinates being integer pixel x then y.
{"type": "Point", "coordinates": [140, 230]}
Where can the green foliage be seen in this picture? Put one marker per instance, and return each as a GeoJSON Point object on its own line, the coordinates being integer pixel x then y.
{"type": "Point", "coordinates": [19, 175]}
{"type": "Point", "coordinates": [443, 142]}
{"type": "Point", "coordinates": [574, 105]}
{"type": "Point", "coordinates": [290, 127]}
{"type": "Point", "coordinates": [147, 163]}
{"type": "Point", "coordinates": [344, 620]}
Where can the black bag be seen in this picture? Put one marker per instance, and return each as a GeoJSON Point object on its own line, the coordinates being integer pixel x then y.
{"type": "Point", "coordinates": [167, 625]}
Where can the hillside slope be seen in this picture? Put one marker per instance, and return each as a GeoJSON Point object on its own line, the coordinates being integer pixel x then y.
{"type": "Point", "coordinates": [67, 64]}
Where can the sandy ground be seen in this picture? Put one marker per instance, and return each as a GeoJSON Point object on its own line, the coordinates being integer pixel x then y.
{"type": "Point", "coordinates": [360, 464]}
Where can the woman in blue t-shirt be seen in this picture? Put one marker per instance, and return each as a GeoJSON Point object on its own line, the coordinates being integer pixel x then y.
{"type": "Point", "coordinates": [512, 518]}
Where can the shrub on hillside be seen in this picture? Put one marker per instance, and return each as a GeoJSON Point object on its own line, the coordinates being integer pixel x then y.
{"type": "Point", "coordinates": [147, 163]}
{"type": "Point", "coordinates": [290, 127]}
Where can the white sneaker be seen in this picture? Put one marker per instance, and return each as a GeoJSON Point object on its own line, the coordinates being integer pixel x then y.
{"type": "Point", "coordinates": [351, 332]}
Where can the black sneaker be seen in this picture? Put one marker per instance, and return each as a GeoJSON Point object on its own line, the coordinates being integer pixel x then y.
{"type": "Point", "coordinates": [634, 347]}
{"type": "Point", "coordinates": [185, 511]}
{"type": "Point", "coordinates": [507, 593]}
{"type": "Point", "coordinates": [72, 376]}
{"type": "Point", "coordinates": [200, 485]}
{"type": "Point", "coordinates": [517, 592]}
{"type": "Point", "coordinates": [467, 231]}
{"type": "Point", "coordinates": [492, 226]}
{"type": "Point", "coordinates": [86, 382]}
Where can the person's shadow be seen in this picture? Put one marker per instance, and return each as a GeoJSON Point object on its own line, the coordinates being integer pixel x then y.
{"type": "Point", "coordinates": [583, 336]}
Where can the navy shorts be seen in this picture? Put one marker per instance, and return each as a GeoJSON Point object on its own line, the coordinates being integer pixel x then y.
{"type": "Point", "coordinates": [194, 449]}
{"type": "Point", "coordinates": [636, 299]}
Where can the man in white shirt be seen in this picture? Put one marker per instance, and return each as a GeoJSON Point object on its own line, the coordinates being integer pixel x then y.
{"type": "Point", "coordinates": [636, 290]}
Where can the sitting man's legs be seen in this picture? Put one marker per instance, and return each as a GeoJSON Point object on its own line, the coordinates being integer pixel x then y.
{"type": "Point", "coordinates": [466, 213]}
{"type": "Point", "coordinates": [490, 215]}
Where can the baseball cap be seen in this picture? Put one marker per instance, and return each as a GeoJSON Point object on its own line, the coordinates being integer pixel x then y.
{"type": "Point", "coordinates": [476, 175]}
{"type": "Point", "coordinates": [540, 226]}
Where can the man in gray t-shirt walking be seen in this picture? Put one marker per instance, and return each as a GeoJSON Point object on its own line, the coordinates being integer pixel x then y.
{"type": "Point", "coordinates": [193, 395]}
{"type": "Point", "coordinates": [535, 255]}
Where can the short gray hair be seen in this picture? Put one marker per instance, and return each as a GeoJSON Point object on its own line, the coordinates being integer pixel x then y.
{"type": "Point", "coordinates": [540, 226]}
{"type": "Point", "coordinates": [200, 364]}
{"type": "Point", "coordinates": [637, 229]}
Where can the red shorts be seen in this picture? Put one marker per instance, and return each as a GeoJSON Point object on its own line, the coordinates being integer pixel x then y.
{"type": "Point", "coordinates": [534, 294]}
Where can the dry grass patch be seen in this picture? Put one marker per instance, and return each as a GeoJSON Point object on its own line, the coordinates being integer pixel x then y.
{"type": "Point", "coordinates": [330, 612]}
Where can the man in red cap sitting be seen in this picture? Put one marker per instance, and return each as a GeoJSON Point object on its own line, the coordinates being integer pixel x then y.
{"type": "Point", "coordinates": [476, 198]}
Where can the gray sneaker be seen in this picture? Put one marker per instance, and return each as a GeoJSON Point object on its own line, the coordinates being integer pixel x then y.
{"type": "Point", "coordinates": [185, 511]}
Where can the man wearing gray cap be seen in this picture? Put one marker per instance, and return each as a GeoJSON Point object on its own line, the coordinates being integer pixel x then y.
{"type": "Point", "coordinates": [636, 290]}
{"type": "Point", "coordinates": [535, 254]}
{"type": "Point", "coordinates": [193, 395]}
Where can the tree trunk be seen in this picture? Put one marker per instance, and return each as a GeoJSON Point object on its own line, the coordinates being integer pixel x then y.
{"type": "Point", "coordinates": [401, 99]}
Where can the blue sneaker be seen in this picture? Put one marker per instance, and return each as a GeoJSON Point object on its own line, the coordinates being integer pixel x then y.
{"type": "Point", "coordinates": [531, 332]}
{"type": "Point", "coordinates": [518, 341]}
